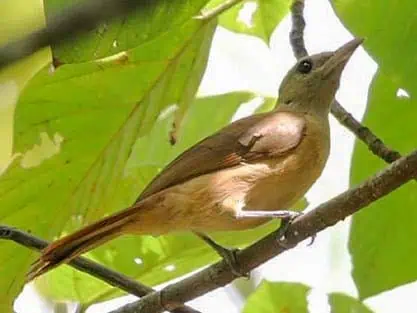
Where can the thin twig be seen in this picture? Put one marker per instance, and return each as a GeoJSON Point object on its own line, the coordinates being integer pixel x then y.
{"type": "Point", "coordinates": [374, 144]}
{"type": "Point", "coordinates": [297, 30]}
{"type": "Point", "coordinates": [345, 118]}
{"type": "Point", "coordinates": [107, 275]}
{"type": "Point", "coordinates": [80, 17]}
{"type": "Point", "coordinates": [305, 226]}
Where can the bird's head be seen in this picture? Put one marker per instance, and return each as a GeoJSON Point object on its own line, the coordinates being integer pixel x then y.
{"type": "Point", "coordinates": [311, 84]}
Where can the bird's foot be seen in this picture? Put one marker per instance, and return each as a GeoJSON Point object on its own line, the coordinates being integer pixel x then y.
{"type": "Point", "coordinates": [312, 239]}
{"type": "Point", "coordinates": [281, 232]}
{"type": "Point", "coordinates": [229, 255]}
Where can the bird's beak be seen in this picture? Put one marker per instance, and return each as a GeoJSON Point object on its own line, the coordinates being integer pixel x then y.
{"type": "Point", "coordinates": [340, 57]}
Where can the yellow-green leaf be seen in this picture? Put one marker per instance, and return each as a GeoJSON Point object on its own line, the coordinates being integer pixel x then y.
{"type": "Point", "coordinates": [273, 297]}
{"type": "Point", "coordinates": [254, 17]}
{"type": "Point", "coordinates": [76, 128]}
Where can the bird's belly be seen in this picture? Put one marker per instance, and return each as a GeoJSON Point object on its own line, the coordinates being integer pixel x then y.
{"type": "Point", "coordinates": [284, 186]}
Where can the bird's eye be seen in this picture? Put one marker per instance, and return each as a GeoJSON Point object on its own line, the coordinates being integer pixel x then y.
{"type": "Point", "coordinates": [305, 66]}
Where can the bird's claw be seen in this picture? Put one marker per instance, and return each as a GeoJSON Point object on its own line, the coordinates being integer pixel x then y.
{"type": "Point", "coordinates": [312, 239]}
{"type": "Point", "coordinates": [230, 257]}
{"type": "Point", "coordinates": [283, 228]}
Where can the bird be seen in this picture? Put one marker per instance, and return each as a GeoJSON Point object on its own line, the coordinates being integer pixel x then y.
{"type": "Point", "coordinates": [240, 177]}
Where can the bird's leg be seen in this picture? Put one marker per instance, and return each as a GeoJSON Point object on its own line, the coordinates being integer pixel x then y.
{"type": "Point", "coordinates": [281, 232]}
{"type": "Point", "coordinates": [282, 214]}
{"type": "Point", "coordinates": [228, 254]}
{"type": "Point", "coordinates": [286, 218]}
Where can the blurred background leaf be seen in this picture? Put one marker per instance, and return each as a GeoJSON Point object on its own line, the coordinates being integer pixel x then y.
{"type": "Point", "coordinates": [12, 81]}
{"type": "Point", "coordinates": [273, 297]}
{"type": "Point", "coordinates": [14, 77]}
{"type": "Point", "coordinates": [383, 255]}
{"type": "Point", "coordinates": [342, 303]}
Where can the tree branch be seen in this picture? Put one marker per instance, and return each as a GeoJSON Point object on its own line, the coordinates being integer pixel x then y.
{"type": "Point", "coordinates": [363, 133]}
{"type": "Point", "coordinates": [297, 30]}
{"type": "Point", "coordinates": [322, 217]}
{"type": "Point", "coordinates": [78, 18]}
{"type": "Point", "coordinates": [107, 275]}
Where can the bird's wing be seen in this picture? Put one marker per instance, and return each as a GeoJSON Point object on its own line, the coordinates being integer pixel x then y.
{"type": "Point", "coordinates": [256, 137]}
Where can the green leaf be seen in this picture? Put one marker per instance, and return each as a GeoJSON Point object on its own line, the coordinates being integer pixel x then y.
{"type": "Point", "coordinates": [124, 33]}
{"type": "Point", "coordinates": [342, 303]}
{"type": "Point", "coordinates": [14, 77]}
{"type": "Point", "coordinates": [12, 80]}
{"type": "Point", "coordinates": [383, 253]}
{"type": "Point", "coordinates": [300, 205]}
{"type": "Point", "coordinates": [264, 16]}
{"type": "Point", "coordinates": [279, 297]}
{"type": "Point", "coordinates": [76, 128]}
{"type": "Point", "coordinates": [268, 105]}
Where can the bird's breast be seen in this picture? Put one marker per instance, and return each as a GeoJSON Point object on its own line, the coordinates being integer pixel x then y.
{"type": "Point", "coordinates": [290, 176]}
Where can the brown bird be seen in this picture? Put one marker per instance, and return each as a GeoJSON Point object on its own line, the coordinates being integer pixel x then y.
{"type": "Point", "coordinates": [238, 178]}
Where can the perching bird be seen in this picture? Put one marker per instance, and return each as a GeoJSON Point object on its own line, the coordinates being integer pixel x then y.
{"type": "Point", "coordinates": [240, 177]}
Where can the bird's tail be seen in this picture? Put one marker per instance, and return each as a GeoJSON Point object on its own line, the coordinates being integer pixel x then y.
{"type": "Point", "coordinates": [67, 248]}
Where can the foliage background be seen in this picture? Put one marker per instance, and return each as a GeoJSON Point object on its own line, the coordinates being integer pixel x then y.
{"type": "Point", "coordinates": [56, 121]}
